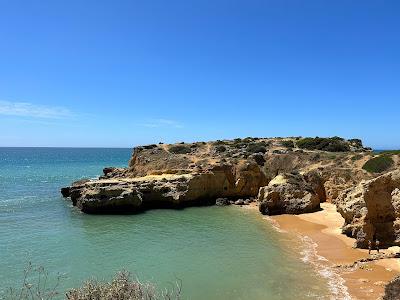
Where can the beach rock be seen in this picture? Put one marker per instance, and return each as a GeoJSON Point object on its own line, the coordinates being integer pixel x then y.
{"type": "Point", "coordinates": [65, 191]}
{"type": "Point", "coordinates": [222, 202]}
{"type": "Point", "coordinates": [371, 210]}
{"type": "Point", "coordinates": [289, 194]}
{"type": "Point", "coordinates": [392, 289]}
{"type": "Point", "coordinates": [239, 202]}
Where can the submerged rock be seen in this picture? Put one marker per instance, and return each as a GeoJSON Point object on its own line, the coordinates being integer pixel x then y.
{"type": "Point", "coordinates": [289, 194]}
{"type": "Point", "coordinates": [239, 202]}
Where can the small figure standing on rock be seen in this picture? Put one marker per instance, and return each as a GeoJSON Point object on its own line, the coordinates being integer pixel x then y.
{"type": "Point", "coordinates": [377, 245]}
{"type": "Point", "coordinates": [369, 246]}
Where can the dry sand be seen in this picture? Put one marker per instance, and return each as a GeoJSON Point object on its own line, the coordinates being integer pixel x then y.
{"type": "Point", "coordinates": [322, 228]}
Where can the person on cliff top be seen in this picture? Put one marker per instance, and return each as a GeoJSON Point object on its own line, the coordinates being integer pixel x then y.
{"type": "Point", "coordinates": [369, 246]}
{"type": "Point", "coordinates": [377, 245]}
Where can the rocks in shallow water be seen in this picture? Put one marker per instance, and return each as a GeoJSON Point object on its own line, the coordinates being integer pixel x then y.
{"type": "Point", "coordinates": [65, 191]}
{"type": "Point", "coordinates": [372, 210]}
{"type": "Point", "coordinates": [222, 202]}
{"type": "Point", "coordinates": [239, 202]}
{"type": "Point", "coordinates": [290, 194]}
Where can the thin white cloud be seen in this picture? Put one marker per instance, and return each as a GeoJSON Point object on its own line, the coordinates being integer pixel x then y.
{"type": "Point", "coordinates": [157, 123]}
{"type": "Point", "coordinates": [25, 109]}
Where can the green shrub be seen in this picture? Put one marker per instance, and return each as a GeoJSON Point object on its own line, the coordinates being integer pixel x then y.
{"type": "Point", "coordinates": [378, 164]}
{"type": "Point", "coordinates": [220, 148]}
{"type": "Point", "coordinates": [147, 147]}
{"type": "Point", "coordinates": [179, 149]}
{"type": "Point", "coordinates": [390, 152]}
{"type": "Point", "coordinates": [356, 157]}
{"type": "Point", "coordinates": [334, 144]}
{"type": "Point", "coordinates": [219, 142]}
{"type": "Point", "coordinates": [288, 144]}
{"type": "Point", "coordinates": [248, 139]}
{"type": "Point", "coordinates": [356, 142]}
{"type": "Point", "coordinates": [256, 147]}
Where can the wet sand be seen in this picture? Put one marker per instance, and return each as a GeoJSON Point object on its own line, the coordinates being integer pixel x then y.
{"type": "Point", "coordinates": [323, 229]}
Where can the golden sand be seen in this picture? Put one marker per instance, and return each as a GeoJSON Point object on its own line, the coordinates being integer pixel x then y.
{"type": "Point", "coordinates": [323, 228]}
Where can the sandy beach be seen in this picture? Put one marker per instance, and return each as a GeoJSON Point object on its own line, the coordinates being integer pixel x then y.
{"type": "Point", "coordinates": [321, 230]}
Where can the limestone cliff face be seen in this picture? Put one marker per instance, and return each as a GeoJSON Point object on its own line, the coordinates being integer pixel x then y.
{"type": "Point", "coordinates": [372, 210]}
{"type": "Point", "coordinates": [291, 194]}
{"type": "Point", "coordinates": [133, 194]}
{"type": "Point", "coordinates": [197, 173]}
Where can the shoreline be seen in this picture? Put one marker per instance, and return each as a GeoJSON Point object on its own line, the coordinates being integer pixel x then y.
{"type": "Point", "coordinates": [325, 247]}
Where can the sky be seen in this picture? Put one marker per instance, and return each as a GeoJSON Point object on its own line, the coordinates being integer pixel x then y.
{"type": "Point", "coordinates": [123, 73]}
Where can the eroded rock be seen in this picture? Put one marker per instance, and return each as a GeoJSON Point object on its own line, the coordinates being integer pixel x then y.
{"type": "Point", "coordinates": [290, 194]}
{"type": "Point", "coordinates": [372, 210]}
{"type": "Point", "coordinates": [392, 289]}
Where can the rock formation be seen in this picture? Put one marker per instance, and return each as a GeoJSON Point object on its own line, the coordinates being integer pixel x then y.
{"type": "Point", "coordinates": [372, 210]}
{"type": "Point", "coordinates": [291, 194]}
{"type": "Point", "coordinates": [133, 194]}
{"type": "Point", "coordinates": [198, 173]}
{"type": "Point", "coordinates": [392, 289]}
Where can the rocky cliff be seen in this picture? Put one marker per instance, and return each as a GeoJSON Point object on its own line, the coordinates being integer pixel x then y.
{"type": "Point", "coordinates": [372, 210]}
{"type": "Point", "coordinates": [174, 175]}
{"type": "Point", "coordinates": [292, 193]}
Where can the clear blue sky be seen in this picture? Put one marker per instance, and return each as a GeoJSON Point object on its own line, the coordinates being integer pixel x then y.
{"type": "Point", "coordinates": [122, 73]}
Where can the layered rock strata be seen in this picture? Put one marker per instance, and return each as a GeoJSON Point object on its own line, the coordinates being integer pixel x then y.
{"type": "Point", "coordinates": [371, 210]}
{"type": "Point", "coordinates": [134, 194]}
{"type": "Point", "coordinates": [291, 194]}
{"type": "Point", "coordinates": [184, 174]}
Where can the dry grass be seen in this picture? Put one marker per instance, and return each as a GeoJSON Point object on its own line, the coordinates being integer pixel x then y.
{"type": "Point", "coordinates": [122, 287]}
{"type": "Point", "coordinates": [34, 285]}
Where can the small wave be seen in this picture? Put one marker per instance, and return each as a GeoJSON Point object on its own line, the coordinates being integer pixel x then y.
{"type": "Point", "coordinates": [336, 283]}
{"type": "Point", "coordinates": [274, 224]}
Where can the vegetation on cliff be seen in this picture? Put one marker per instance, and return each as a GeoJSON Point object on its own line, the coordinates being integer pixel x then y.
{"type": "Point", "coordinates": [378, 164]}
{"type": "Point", "coordinates": [334, 144]}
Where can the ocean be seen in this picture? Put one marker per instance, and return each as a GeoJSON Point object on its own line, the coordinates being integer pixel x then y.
{"type": "Point", "coordinates": [216, 252]}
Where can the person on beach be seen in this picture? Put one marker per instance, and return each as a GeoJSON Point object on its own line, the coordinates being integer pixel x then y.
{"type": "Point", "coordinates": [377, 245]}
{"type": "Point", "coordinates": [369, 246]}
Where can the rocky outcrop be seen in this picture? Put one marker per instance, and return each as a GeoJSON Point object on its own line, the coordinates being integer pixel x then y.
{"type": "Point", "coordinates": [372, 210]}
{"type": "Point", "coordinates": [196, 173]}
{"type": "Point", "coordinates": [291, 194]}
{"type": "Point", "coordinates": [134, 194]}
{"type": "Point", "coordinates": [392, 289]}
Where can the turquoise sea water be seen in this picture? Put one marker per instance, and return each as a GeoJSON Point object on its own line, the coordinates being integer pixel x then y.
{"type": "Point", "coordinates": [217, 252]}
